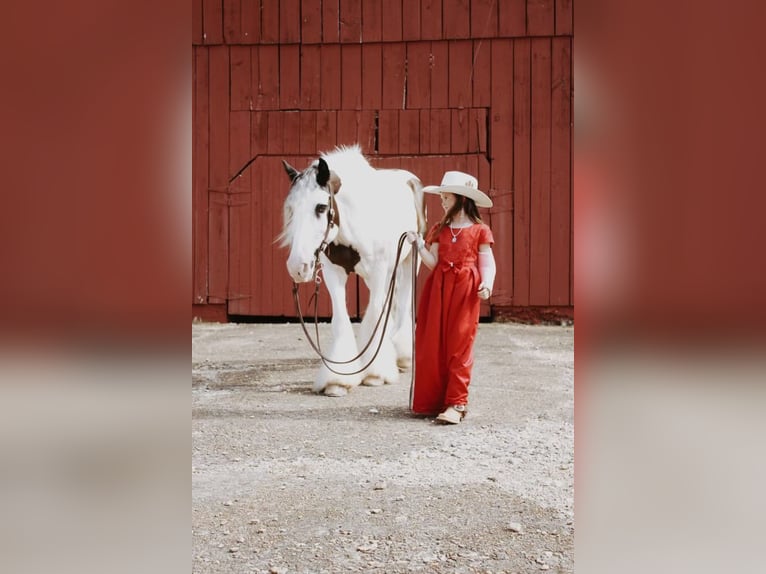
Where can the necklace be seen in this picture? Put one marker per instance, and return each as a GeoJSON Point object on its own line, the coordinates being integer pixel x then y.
{"type": "Point", "coordinates": [454, 235]}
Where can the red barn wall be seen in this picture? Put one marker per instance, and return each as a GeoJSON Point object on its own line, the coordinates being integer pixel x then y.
{"type": "Point", "coordinates": [483, 86]}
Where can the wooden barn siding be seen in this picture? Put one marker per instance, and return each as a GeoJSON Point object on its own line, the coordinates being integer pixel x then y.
{"type": "Point", "coordinates": [426, 85]}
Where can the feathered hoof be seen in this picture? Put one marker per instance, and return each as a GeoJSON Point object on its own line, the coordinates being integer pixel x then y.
{"type": "Point", "coordinates": [373, 381]}
{"type": "Point", "coordinates": [335, 391]}
{"type": "Point", "coordinates": [404, 364]}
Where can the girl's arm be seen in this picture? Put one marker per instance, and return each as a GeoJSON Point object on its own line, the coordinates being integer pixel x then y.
{"type": "Point", "coordinates": [429, 256]}
{"type": "Point", "coordinates": [486, 270]}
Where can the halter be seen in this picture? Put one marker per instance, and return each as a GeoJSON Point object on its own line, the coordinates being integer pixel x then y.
{"type": "Point", "coordinates": [331, 211]}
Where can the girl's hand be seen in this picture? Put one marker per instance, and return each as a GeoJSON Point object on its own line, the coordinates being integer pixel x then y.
{"type": "Point", "coordinates": [412, 237]}
{"type": "Point", "coordinates": [483, 292]}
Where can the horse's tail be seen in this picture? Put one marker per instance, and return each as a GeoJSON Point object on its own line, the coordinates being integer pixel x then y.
{"type": "Point", "coordinates": [420, 202]}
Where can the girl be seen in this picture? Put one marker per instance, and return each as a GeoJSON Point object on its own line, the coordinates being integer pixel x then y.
{"type": "Point", "coordinates": [458, 251]}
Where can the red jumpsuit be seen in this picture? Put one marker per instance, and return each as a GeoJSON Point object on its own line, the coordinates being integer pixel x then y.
{"type": "Point", "coordinates": [447, 320]}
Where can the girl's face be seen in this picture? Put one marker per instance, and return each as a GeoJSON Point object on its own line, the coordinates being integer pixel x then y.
{"type": "Point", "coordinates": [448, 200]}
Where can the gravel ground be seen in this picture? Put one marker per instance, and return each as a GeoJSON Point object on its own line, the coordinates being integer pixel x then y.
{"type": "Point", "coordinates": [286, 481]}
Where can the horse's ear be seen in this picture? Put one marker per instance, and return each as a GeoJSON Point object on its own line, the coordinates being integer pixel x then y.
{"type": "Point", "coordinates": [291, 171]}
{"type": "Point", "coordinates": [323, 173]}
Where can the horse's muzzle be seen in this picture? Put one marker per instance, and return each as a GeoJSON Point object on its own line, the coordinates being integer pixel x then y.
{"type": "Point", "coordinates": [301, 272]}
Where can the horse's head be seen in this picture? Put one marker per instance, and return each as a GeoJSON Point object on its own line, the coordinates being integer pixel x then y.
{"type": "Point", "coordinates": [310, 216]}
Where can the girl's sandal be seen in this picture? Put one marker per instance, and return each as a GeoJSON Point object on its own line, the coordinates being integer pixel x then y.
{"type": "Point", "coordinates": [452, 415]}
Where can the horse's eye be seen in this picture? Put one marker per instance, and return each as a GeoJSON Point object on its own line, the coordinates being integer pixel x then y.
{"type": "Point", "coordinates": [320, 209]}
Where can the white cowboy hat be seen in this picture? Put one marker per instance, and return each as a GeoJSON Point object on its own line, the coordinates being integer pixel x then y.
{"type": "Point", "coordinates": [461, 184]}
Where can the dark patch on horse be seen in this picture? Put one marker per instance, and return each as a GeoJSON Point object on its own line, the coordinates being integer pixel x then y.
{"type": "Point", "coordinates": [343, 256]}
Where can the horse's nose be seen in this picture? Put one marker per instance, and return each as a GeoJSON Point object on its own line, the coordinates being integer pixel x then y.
{"type": "Point", "coordinates": [302, 272]}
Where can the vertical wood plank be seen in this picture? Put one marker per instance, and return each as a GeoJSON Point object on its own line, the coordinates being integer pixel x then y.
{"type": "Point", "coordinates": [393, 75]}
{"type": "Point", "coordinates": [351, 77]}
{"type": "Point", "coordinates": [201, 150]}
{"type": "Point", "coordinates": [418, 75]}
{"type": "Point", "coordinates": [540, 238]}
{"type": "Point", "coordinates": [262, 302]}
{"type": "Point", "coordinates": [348, 127]}
{"type": "Point", "coordinates": [232, 25]}
{"type": "Point", "coordinates": [512, 18]}
{"type": "Point", "coordinates": [460, 129]}
{"type": "Point", "coordinates": [219, 116]}
{"type": "Point", "coordinates": [563, 17]}
{"type": "Point", "coordinates": [311, 22]}
{"type": "Point", "coordinates": [326, 134]}
{"type": "Point", "coordinates": [218, 246]}
{"type": "Point", "coordinates": [484, 17]}
{"type": "Point", "coordinates": [308, 140]}
{"type": "Point", "coordinates": [267, 97]}
{"type": "Point", "coordinates": [388, 132]}
{"type": "Point", "coordinates": [270, 22]}
{"type": "Point", "coordinates": [521, 173]}
{"type": "Point", "coordinates": [330, 21]}
{"type": "Point", "coordinates": [502, 115]}
{"type": "Point", "coordinates": [372, 76]}
{"type": "Point", "coordinates": [431, 20]}
{"type": "Point", "coordinates": [310, 77]}
{"type": "Point", "coordinates": [257, 268]}
{"type": "Point", "coordinates": [330, 78]}
{"type": "Point", "coordinates": [196, 22]}
{"type": "Point", "coordinates": [259, 133]}
{"type": "Point", "coordinates": [501, 172]}
{"type": "Point", "coordinates": [441, 130]}
{"type": "Point", "coordinates": [366, 130]}
{"type": "Point", "coordinates": [291, 135]}
{"type": "Point", "coordinates": [274, 140]}
{"type": "Point", "coordinates": [411, 19]}
{"type": "Point", "coordinates": [391, 29]}
{"type": "Point", "coordinates": [241, 80]}
{"type": "Point", "coordinates": [477, 130]}
{"type": "Point", "coordinates": [457, 19]}
{"type": "Point", "coordinates": [212, 22]}
{"type": "Point", "coordinates": [425, 132]}
{"type": "Point", "coordinates": [460, 61]}
{"type": "Point", "coordinates": [251, 21]}
{"type": "Point", "coordinates": [439, 75]}
{"type": "Point", "coordinates": [289, 21]}
{"type": "Point", "coordinates": [240, 255]}
{"type": "Point", "coordinates": [351, 21]}
{"type": "Point", "coordinates": [251, 217]}
{"type": "Point", "coordinates": [289, 76]}
{"type": "Point", "coordinates": [482, 73]}
{"type": "Point", "coordinates": [372, 16]}
{"type": "Point", "coordinates": [540, 17]}
{"type": "Point", "coordinates": [409, 126]}
{"type": "Point", "coordinates": [561, 166]}
{"type": "Point", "coordinates": [238, 240]}
{"type": "Point", "coordinates": [218, 239]}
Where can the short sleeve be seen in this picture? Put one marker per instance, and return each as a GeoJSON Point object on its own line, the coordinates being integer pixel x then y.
{"type": "Point", "coordinates": [432, 236]}
{"type": "Point", "coordinates": [485, 235]}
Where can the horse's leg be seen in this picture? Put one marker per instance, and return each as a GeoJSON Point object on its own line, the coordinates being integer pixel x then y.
{"type": "Point", "coordinates": [383, 369]}
{"type": "Point", "coordinates": [402, 313]}
{"type": "Point", "coordinates": [343, 345]}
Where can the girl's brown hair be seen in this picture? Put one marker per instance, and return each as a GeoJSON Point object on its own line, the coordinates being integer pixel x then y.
{"type": "Point", "coordinates": [461, 202]}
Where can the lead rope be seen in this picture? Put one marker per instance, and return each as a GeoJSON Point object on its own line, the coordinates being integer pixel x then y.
{"type": "Point", "coordinates": [387, 305]}
{"type": "Point", "coordinates": [414, 312]}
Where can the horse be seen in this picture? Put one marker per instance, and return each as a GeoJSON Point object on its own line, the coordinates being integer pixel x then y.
{"type": "Point", "coordinates": [349, 216]}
